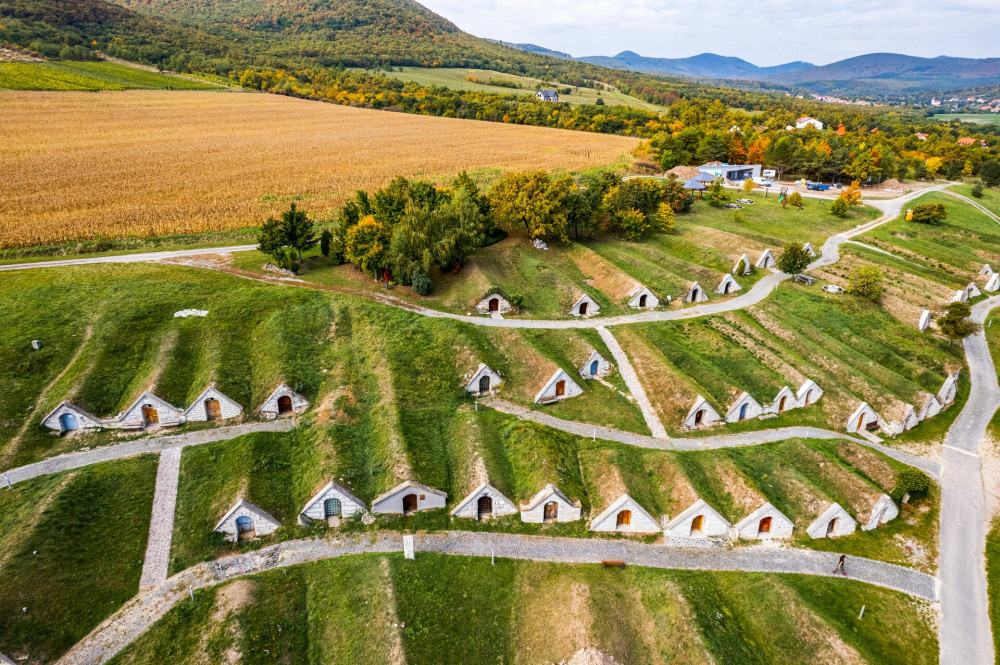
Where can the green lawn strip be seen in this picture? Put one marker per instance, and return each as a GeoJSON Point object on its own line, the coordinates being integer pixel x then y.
{"type": "Point", "coordinates": [894, 628]}
{"type": "Point", "coordinates": [260, 468]}
{"type": "Point", "coordinates": [445, 601]}
{"type": "Point", "coordinates": [993, 567]}
{"type": "Point", "coordinates": [68, 75]}
{"type": "Point", "coordinates": [90, 543]}
{"type": "Point", "coordinates": [181, 635]}
{"type": "Point", "coordinates": [960, 245]}
{"type": "Point", "coordinates": [989, 200]}
{"type": "Point", "coordinates": [915, 267]}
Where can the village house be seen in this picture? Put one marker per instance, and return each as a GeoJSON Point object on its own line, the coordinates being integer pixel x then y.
{"type": "Point", "coordinates": [783, 401]}
{"type": "Point", "coordinates": [211, 404]}
{"type": "Point", "coordinates": [925, 320]}
{"type": "Point", "coordinates": [625, 516]}
{"type": "Point", "coordinates": [863, 418]}
{"type": "Point", "coordinates": [495, 300]}
{"type": "Point", "coordinates": [695, 293]}
{"type": "Point", "coordinates": [766, 260]}
{"type": "Point", "coordinates": [806, 121]}
{"type": "Point", "coordinates": [701, 414]}
{"type": "Point", "coordinates": [559, 387]}
{"type": "Point", "coordinates": [765, 523]}
{"type": "Point", "coordinates": [547, 95]}
{"type": "Point", "coordinates": [743, 408]}
{"type": "Point", "coordinates": [833, 522]}
{"type": "Point", "coordinates": [727, 285]}
{"type": "Point", "coordinates": [808, 393]}
{"type": "Point", "coordinates": [149, 411]}
{"type": "Point", "coordinates": [331, 504]}
{"type": "Point", "coordinates": [949, 389]}
{"type": "Point", "coordinates": [699, 520]}
{"type": "Point", "coordinates": [930, 408]}
{"type": "Point", "coordinates": [484, 502]}
{"type": "Point", "coordinates": [596, 367]}
{"type": "Point", "coordinates": [550, 505]}
{"type": "Point", "coordinates": [407, 498]}
{"type": "Point", "coordinates": [743, 266]}
{"type": "Point", "coordinates": [883, 511]}
{"type": "Point", "coordinates": [283, 401]}
{"type": "Point", "coordinates": [584, 306]}
{"type": "Point", "coordinates": [993, 283]}
{"type": "Point", "coordinates": [809, 249]}
{"type": "Point", "coordinates": [245, 521]}
{"type": "Point", "coordinates": [483, 382]}
{"type": "Point", "coordinates": [642, 298]}
{"type": "Point", "coordinates": [68, 417]}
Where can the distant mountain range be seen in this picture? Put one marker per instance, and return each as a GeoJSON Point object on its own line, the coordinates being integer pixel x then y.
{"type": "Point", "coordinates": [884, 73]}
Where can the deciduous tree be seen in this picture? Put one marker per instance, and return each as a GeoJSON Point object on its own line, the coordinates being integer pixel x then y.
{"type": "Point", "coordinates": [956, 324]}
{"type": "Point", "coordinates": [866, 281]}
{"type": "Point", "coordinates": [793, 259]}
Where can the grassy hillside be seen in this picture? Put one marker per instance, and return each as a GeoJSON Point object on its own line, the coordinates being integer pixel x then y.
{"type": "Point", "coordinates": [71, 552]}
{"type": "Point", "coordinates": [88, 76]}
{"type": "Point", "coordinates": [376, 609]}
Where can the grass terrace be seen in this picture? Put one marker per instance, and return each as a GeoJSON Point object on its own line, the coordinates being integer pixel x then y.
{"type": "Point", "coordinates": [92, 76]}
{"type": "Point", "coordinates": [990, 199]}
{"type": "Point", "coordinates": [374, 609]}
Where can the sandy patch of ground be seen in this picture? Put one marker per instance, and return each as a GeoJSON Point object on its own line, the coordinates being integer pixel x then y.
{"type": "Point", "coordinates": [590, 656]}
{"type": "Point", "coordinates": [602, 274]}
{"type": "Point", "coordinates": [209, 261]}
{"type": "Point", "coordinates": [989, 458]}
{"type": "Point", "coordinates": [17, 55]}
{"type": "Point", "coordinates": [229, 600]}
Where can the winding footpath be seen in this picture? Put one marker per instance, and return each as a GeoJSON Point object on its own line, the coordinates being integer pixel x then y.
{"type": "Point", "coordinates": [965, 635]}
{"type": "Point", "coordinates": [139, 614]}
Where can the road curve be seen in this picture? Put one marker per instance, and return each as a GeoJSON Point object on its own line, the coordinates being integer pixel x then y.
{"type": "Point", "coordinates": [139, 614]}
{"type": "Point", "coordinates": [966, 638]}
{"type": "Point", "coordinates": [128, 258]}
{"type": "Point", "coordinates": [983, 209]}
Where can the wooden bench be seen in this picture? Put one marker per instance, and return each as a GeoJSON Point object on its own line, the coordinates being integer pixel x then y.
{"type": "Point", "coordinates": [620, 565]}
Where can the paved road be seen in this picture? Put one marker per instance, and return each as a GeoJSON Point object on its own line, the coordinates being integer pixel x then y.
{"type": "Point", "coordinates": [128, 258]}
{"type": "Point", "coordinates": [717, 441]}
{"type": "Point", "coordinates": [966, 638]}
{"type": "Point", "coordinates": [139, 447]}
{"type": "Point", "coordinates": [161, 525]}
{"type": "Point", "coordinates": [634, 385]}
{"type": "Point", "coordinates": [141, 613]}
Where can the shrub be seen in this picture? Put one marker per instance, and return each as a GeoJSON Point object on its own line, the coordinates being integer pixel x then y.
{"type": "Point", "coordinates": [793, 259]}
{"type": "Point", "coordinates": [633, 223]}
{"type": "Point", "coordinates": [795, 199]}
{"type": "Point", "coordinates": [866, 281]}
{"type": "Point", "coordinates": [977, 190]}
{"type": "Point", "coordinates": [911, 481]}
{"type": "Point", "coordinates": [422, 283]}
{"type": "Point", "coordinates": [840, 208]}
{"type": "Point", "coordinates": [929, 213]}
{"type": "Point", "coordinates": [324, 242]}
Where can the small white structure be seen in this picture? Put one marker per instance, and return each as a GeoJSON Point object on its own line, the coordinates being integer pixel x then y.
{"type": "Point", "coordinates": [743, 408]}
{"type": "Point", "coordinates": [808, 247]}
{"type": "Point", "coordinates": [806, 121]}
{"type": "Point", "coordinates": [743, 266]}
{"type": "Point", "coordinates": [785, 400]}
{"type": "Point", "coordinates": [728, 285]}
{"type": "Point", "coordinates": [833, 288]}
{"type": "Point", "coordinates": [642, 298]}
{"type": "Point", "coordinates": [986, 270]}
{"type": "Point", "coordinates": [550, 505]}
{"type": "Point", "coordinates": [331, 504]}
{"type": "Point", "coordinates": [903, 417]}
{"type": "Point", "coordinates": [596, 367]}
{"type": "Point", "coordinates": [699, 520]}
{"type": "Point", "coordinates": [766, 260]}
{"type": "Point", "coordinates": [150, 410]}
{"type": "Point", "coordinates": [971, 291]}
{"type": "Point", "coordinates": [702, 414]}
{"type": "Point", "coordinates": [407, 498]}
{"type": "Point", "coordinates": [625, 516]}
{"type": "Point", "coordinates": [949, 389]}
{"type": "Point", "coordinates": [283, 400]}
{"type": "Point", "coordinates": [695, 293]}
{"type": "Point", "coordinates": [245, 521]}
{"type": "Point", "coordinates": [559, 387]}
{"type": "Point", "coordinates": [861, 418]}
{"type": "Point", "coordinates": [809, 393]}
{"type": "Point", "coordinates": [925, 320]}
{"type": "Point", "coordinates": [484, 381]}
{"type": "Point", "coordinates": [930, 408]}
{"type": "Point", "coordinates": [211, 404]}
{"type": "Point", "coordinates": [883, 511]}
{"type": "Point", "coordinates": [483, 503]}
{"type": "Point", "coordinates": [993, 283]}
{"type": "Point", "coordinates": [493, 302]}
{"type": "Point", "coordinates": [832, 523]}
{"type": "Point", "coordinates": [70, 418]}
{"type": "Point", "coordinates": [765, 523]}
{"type": "Point", "coordinates": [584, 306]}
{"type": "Point", "coordinates": [960, 296]}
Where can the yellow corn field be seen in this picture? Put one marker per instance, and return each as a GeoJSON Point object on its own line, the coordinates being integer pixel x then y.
{"type": "Point", "coordinates": [143, 163]}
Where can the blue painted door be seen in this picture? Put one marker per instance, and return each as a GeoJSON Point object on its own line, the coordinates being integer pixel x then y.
{"type": "Point", "coordinates": [593, 368]}
{"type": "Point", "coordinates": [743, 411]}
{"type": "Point", "coordinates": [244, 524]}
{"type": "Point", "coordinates": [69, 422]}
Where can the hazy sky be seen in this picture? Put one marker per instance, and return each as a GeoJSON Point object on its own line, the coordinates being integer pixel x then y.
{"type": "Point", "coordinates": [765, 32]}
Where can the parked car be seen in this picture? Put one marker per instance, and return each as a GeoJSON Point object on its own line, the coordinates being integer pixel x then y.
{"type": "Point", "coordinates": [763, 182]}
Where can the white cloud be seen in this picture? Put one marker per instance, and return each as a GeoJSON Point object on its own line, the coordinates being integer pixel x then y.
{"type": "Point", "coordinates": [765, 32]}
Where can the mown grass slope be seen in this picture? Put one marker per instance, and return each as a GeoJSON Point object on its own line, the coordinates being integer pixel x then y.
{"type": "Point", "coordinates": [457, 609]}
{"type": "Point", "coordinates": [90, 76]}
{"type": "Point", "coordinates": [71, 552]}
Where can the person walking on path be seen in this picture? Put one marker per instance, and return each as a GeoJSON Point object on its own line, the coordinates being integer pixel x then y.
{"type": "Point", "coordinates": [840, 566]}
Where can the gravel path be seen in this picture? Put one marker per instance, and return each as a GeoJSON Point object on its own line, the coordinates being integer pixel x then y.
{"type": "Point", "coordinates": [634, 385]}
{"type": "Point", "coordinates": [128, 258]}
{"type": "Point", "coordinates": [161, 526]}
{"type": "Point", "coordinates": [965, 623]}
{"type": "Point", "coordinates": [137, 616]}
{"type": "Point", "coordinates": [734, 440]}
{"type": "Point", "coordinates": [132, 448]}
{"type": "Point", "coordinates": [983, 209]}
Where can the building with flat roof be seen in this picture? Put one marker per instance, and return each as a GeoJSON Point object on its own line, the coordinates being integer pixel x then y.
{"type": "Point", "coordinates": [731, 172]}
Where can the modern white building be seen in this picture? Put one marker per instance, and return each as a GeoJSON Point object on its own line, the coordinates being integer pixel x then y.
{"type": "Point", "coordinates": [807, 121]}
{"type": "Point", "coordinates": [731, 172]}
